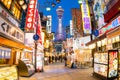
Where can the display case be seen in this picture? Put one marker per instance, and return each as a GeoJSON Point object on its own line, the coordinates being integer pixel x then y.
{"type": "Point", "coordinates": [106, 64]}
{"type": "Point", "coordinates": [8, 72]}
{"type": "Point", "coordinates": [25, 67]}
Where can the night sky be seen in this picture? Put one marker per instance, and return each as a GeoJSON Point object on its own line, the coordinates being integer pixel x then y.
{"type": "Point", "coordinates": [66, 5]}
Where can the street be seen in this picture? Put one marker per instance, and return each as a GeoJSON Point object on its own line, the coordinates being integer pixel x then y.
{"type": "Point", "coordinates": [58, 71]}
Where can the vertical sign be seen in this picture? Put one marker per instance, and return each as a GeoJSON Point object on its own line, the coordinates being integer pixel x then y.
{"type": "Point", "coordinates": [30, 15]}
{"type": "Point", "coordinates": [71, 28]}
{"type": "Point", "coordinates": [86, 17]}
{"type": "Point", "coordinates": [49, 22]}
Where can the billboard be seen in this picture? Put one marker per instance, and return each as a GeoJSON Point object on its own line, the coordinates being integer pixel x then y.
{"type": "Point", "coordinates": [99, 9]}
{"type": "Point", "coordinates": [86, 17]}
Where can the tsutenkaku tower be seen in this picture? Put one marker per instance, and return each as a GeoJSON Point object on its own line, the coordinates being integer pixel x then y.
{"type": "Point", "coordinates": [60, 35]}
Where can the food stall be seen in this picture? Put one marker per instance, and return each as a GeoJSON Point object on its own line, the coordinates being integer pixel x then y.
{"type": "Point", "coordinates": [106, 64]}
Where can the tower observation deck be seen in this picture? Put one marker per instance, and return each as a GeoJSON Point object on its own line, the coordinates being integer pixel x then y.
{"type": "Point", "coordinates": [59, 34]}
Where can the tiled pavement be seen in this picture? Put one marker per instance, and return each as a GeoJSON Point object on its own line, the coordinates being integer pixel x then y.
{"type": "Point", "coordinates": [60, 72]}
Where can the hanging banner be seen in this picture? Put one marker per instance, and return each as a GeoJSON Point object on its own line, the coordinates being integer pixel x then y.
{"type": "Point", "coordinates": [38, 26]}
{"type": "Point", "coordinates": [86, 17]}
{"type": "Point", "coordinates": [30, 15]}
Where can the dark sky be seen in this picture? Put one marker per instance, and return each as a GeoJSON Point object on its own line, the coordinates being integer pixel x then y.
{"type": "Point", "coordinates": [66, 5]}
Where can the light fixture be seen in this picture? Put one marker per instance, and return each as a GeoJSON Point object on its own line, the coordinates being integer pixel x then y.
{"type": "Point", "coordinates": [48, 8]}
{"type": "Point", "coordinates": [24, 6]}
{"type": "Point", "coordinates": [80, 1]}
{"type": "Point", "coordinates": [21, 2]}
{"type": "Point", "coordinates": [9, 2]}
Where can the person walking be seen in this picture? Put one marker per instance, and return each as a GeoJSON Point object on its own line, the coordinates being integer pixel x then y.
{"type": "Point", "coordinates": [65, 59]}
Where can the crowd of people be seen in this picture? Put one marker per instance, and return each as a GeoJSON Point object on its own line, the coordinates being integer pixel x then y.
{"type": "Point", "coordinates": [68, 58]}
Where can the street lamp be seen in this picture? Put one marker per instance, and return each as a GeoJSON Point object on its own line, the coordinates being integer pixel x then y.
{"type": "Point", "coordinates": [80, 1]}
{"type": "Point", "coordinates": [48, 8]}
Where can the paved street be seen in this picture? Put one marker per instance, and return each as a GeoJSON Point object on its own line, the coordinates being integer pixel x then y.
{"type": "Point", "coordinates": [58, 71]}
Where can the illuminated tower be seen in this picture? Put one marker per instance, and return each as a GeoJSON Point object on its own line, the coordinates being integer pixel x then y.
{"type": "Point", "coordinates": [60, 35]}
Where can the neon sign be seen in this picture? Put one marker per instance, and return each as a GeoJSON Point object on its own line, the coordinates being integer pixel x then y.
{"type": "Point", "coordinates": [86, 17]}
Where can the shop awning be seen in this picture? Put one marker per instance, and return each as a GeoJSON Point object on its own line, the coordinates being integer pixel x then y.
{"type": "Point", "coordinates": [13, 44]}
{"type": "Point", "coordinates": [97, 39]}
{"type": "Point", "coordinates": [114, 32]}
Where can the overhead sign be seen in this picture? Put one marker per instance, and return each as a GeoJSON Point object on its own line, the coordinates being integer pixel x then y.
{"type": "Point", "coordinates": [110, 26]}
{"type": "Point", "coordinates": [30, 15]}
{"type": "Point", "coordinates": [86, 17]}
{"type": "Point", "coordinates": [11, 31]}
{"type": "Point", "coordinates": [8, 16]}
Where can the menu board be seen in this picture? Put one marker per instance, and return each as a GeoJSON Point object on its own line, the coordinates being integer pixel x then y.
{"type": "Point", "coordinates": [106, 64]}
{"type": "Point", "coordinates": [100, 69]}
{"type": "Point", "coordinates": [113, 63]}
{"type": "Point", "coordinates": [101, 63]}
{"type": "Point", "coordinates": [101, 58]}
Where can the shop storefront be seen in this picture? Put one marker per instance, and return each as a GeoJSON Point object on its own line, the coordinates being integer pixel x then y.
{"type": "Point", "coordinates": [106, 51]}
{"type": "Point", "coordinates": [82, 52]}
{"type": "Point", "coordinates": [114, 41]}
{"type": "Point", "coordinates": [11, 45]}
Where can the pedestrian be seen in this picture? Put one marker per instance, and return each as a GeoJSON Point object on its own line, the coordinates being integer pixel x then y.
{"type": "Point", "coordinates": [73, 65]}
{"type": "Point", "coordinates": [53, 59]}
{"type": "Point", "coordinates": [65, 58]}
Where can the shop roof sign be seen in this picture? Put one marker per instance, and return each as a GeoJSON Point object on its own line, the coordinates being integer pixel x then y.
{"type": "Point", "coordinates": [115, 23]}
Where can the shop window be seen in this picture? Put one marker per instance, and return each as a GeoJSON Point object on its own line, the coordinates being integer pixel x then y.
{"type": "Point", "coordinates": [16, 10]}
{"type": "Point", "coordinates": [115, 45]}
{"type": "Point", "coordinates": [7, 3]}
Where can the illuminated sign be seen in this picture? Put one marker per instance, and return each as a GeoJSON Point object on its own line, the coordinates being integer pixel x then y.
{"type": "Point", "coordinates": [110, 26]}
{"type": "Point", "coordinates": [86, 17]}
{"type": "Point", "coordinates": [30, 15]}
{"type": "Point", "coordinates": [99, 7]}
{"type": "Point", "coordinates": [8, 16]}
{"type": "Point", "coordinates": [10, 31]}
{"type": "Point", "coordinates": [71, 28]}
{"type": "Point", "coordinates": [49, 23]}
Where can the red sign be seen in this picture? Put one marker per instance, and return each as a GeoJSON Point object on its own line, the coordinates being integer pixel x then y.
{"type": "Point", "coordinates": [30, 15]}
{"type": "Point", "coordinates": [38, 26]}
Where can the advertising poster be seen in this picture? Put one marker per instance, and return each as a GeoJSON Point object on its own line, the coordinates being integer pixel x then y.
{"type": "Point", "coordinates": [99, 8]}
{"type": "Point", "coordinates": [86, 17]}
{"type": "Point", "coordinates": [113, 63]}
